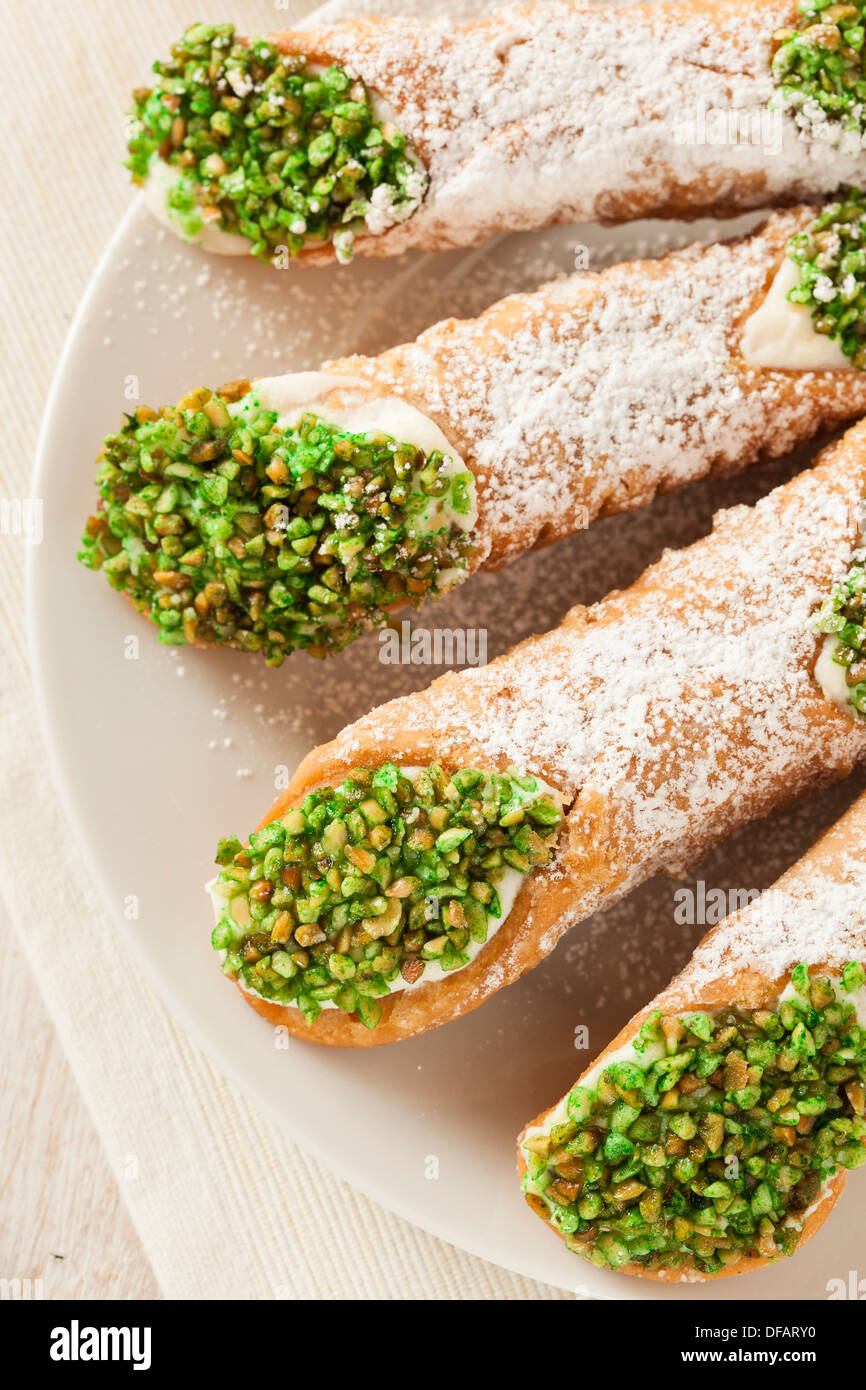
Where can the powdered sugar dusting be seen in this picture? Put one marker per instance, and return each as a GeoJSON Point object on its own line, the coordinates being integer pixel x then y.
{"type": "Point", "coordinates": [821, 921]}
{"type": "Point", "coordinates": [684, 706]}
{"type": "Point", "coordinates": [555, 111]}
{"type": "Point", "coordinates": [598, 391]}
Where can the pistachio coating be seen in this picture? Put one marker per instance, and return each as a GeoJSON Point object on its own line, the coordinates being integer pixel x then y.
{"type": "Point", "coordinates": [818, 64]}
{"type": "Point", "coordinates": [830, 256]}
{"type": "Point", "coordinates": [842, 615]}
{"type": "Point", "coordinates": [377, 884]}
{"type": "Point", "coordinates": [266, 147]}
{"type": "Point", "coordinates": [226, 529]}
{"type": "Point", "coordinates": [714, 1141]}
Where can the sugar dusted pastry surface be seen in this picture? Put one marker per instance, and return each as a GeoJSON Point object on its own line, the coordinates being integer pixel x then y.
{"type": "Point", "coordinates": [822, 918]}
{"type": "Point", "coordinates": [685, 705]}
{"type": "Point", "coordinates": [570, 112]}
{"type": "Point", "coordinates": [596, 392]}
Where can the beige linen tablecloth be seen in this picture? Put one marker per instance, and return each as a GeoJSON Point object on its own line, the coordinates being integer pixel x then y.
{"type": "Point", "coordinates": [181, 1141]}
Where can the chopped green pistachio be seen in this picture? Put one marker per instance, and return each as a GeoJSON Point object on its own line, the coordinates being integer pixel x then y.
{"type": "Point", "coordinates": [842, 616]}
{"type": "Point", "coordinates": [830, 256]}
{"type": "Point", "coordinates": [226, 530]}
{"type": "Point", "coordinates": [818, 65]}
{"type": "Point", "coordinates": [725, 1163]}
{"type": "Point", "coordinates": [268, 148]}
{"type": "Point", "coordinates": [356, 914]}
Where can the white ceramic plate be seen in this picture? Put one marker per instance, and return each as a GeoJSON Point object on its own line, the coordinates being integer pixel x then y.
{"type": "Point", "coordinates": [158, 754]}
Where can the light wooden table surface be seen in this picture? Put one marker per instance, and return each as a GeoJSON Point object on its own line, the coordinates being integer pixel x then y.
{"type": "Point", "coordinates": [63, 1217]}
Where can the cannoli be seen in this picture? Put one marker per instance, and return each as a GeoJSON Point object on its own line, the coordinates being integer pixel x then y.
{"type": "Point", "coordinates": [382, 133]}
{"type": "Point", "coordinates": [629, 740]}
{"type": "Point", "coordinates": [296, 511]}
{"type": "Point", "coordinates": [712, 1136]}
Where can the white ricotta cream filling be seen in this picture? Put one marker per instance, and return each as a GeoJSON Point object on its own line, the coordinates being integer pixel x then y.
{"type": "Point", "coordinates": [507, 888]}
{"type": "Point", "coordinates": [161, 182]}
{"type": "Point", "coordinates": [858, 998]}
{"type": "Point", "coordinates": [782, 335]}
{"type": "Point", "coordinates": [830, 675]}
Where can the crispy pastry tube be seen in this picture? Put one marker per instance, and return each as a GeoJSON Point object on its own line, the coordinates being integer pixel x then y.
{"type": "Point", "coordinates": [767, 1119]}
{"type": "Point", "coordinates": [532, 115]}
{"type": "Point", "coordinates": [524, 425]}
{"type": "Point", "coordinates": [596, 392]}
{"type": "Point", "coordinates": [664, 717]}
